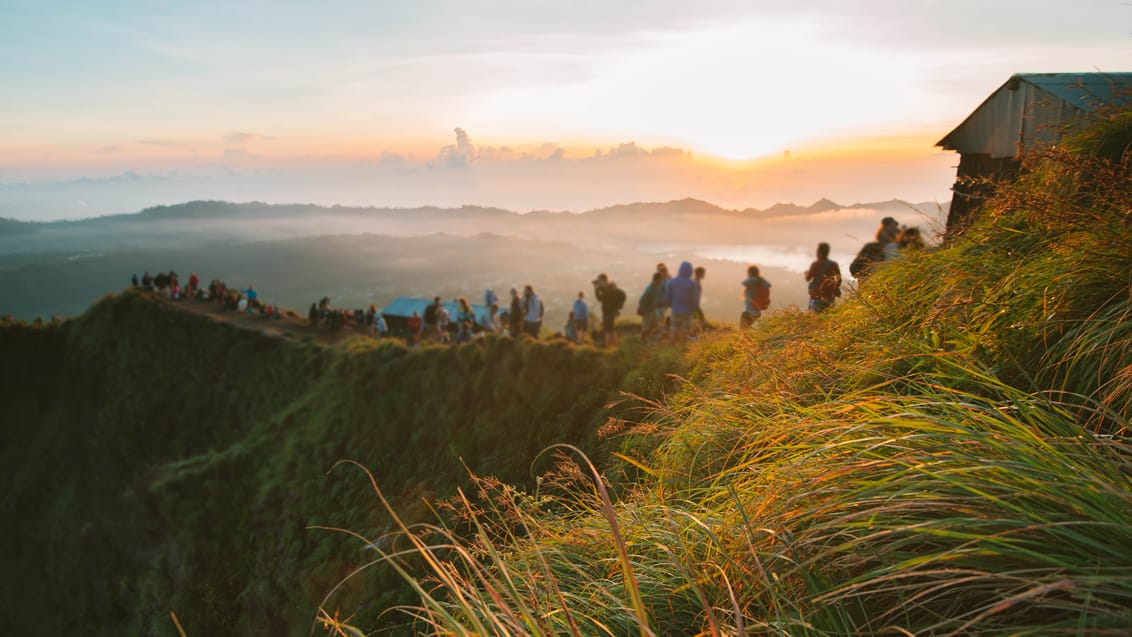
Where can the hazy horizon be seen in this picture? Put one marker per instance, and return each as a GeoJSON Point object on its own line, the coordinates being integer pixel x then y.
{"type": "Point", "coordinates": [521, 182]}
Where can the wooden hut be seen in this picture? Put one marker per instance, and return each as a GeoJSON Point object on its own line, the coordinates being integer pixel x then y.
{"type": "Point", "coordinates": [1029, 110]}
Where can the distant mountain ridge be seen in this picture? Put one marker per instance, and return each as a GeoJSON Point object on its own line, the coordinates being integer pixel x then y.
{"type": "Point", "coordinates": [61, 267]}
{"type": "Point", "coordinates": [215, 209]}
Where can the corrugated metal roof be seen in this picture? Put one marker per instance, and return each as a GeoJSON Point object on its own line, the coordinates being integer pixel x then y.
{"type": "Point", "coordinates": [1086, 91]}
{"type": "Point", "coordinates": [1031, 108]}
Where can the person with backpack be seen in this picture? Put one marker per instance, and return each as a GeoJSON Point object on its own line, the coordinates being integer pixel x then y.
{"type": "Point", "coordinates": [825, 280]}
{"type": "Point", "coordinates": [612, 299]}
{"type": "Point", "coordinates": [756, 297]}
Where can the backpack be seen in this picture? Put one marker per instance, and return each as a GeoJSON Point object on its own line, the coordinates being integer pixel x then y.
{"type": "Point", "coordinates": [618, 298]}
{"type": "Point", "coordinates": [761, 298]}
{"type": "Point", "coordinates": [820, 283]}
{"type": "Point", "coordinates": [430, 314]}
{"type": "Point", "coordinates": [871, 253]}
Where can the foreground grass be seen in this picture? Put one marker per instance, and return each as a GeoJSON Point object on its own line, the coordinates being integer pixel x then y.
{"type": "Point", "coordinates": [945, 453]}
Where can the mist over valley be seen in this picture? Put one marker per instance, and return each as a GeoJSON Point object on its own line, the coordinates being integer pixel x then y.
{"type": "Point", "coordinates": [296, 254]}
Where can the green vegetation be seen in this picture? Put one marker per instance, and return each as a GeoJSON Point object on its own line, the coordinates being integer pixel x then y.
{"type": "Point", "coordinates": [157, 461]}
{"type": "Point", "coordinates": [945, 453]}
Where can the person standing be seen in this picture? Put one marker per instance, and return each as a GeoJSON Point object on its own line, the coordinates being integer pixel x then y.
{"type": "Point", "coordinates": [756, 297]}
{"type": "Point", "coordinates": [683, 298]}
{"type": "Point", "coordinates": [431, 316]}
{"type": "Point", "coordinates": [662, 300]}
{"type": "Point", "coordinates": [699, 321]}
{"type": "Point", "coordinates": [887, 235]}
{"type": "Point", "coordinates": [464, 312]}
{"type": "Point", "coordinates": [414, 327]}
{"type": "Point", "coordinates": [612, 299]}
{"type": "Point", "coordinates": [532, 312]}
{"type": "Point", "coordinates": [646, 306]}
{"type": "Point", "coordinates": [824, 277]}
{"type": "Point", "coordinates": [490, 321]}
{"type": "Point", "coordinates": [581, 318]}
{"type": "Point", "coordinates": [515, 316]}
{"type": "Point", "coordinates": [443, 329]}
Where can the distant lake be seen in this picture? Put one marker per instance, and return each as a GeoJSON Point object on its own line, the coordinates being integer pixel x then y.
{"type": "Point", "coordinates": [787, 257]}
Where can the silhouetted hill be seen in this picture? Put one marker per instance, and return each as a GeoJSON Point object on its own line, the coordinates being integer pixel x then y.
{"type": "Point", "coordinates": [157, 460]}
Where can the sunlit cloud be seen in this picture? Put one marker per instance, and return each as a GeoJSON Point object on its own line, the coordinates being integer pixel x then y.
{"type": "Point", "coordinates": [243, 139]}
{"type": "Point", "coordinates": [157, 143]}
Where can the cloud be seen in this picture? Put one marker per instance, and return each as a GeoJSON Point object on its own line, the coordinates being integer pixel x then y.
{"type": "Point", "coordinates": [497, 153]}
{"type": "Point", "coordinates": [389, 158]}
{"type": "Point", "coordinates": [170, 145]}
{"type": "Point", "coordinates": [460, 154]}
{"type": "Point", "coordinates": [632, 150]}
{"type": "Point", "coordinates": [236, 154]}
{"type": "Point", "coordinates": [243, 139]}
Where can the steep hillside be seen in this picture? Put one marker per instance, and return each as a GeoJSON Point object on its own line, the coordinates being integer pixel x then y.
{"type": "Point", "coordinates": [946, 453]}
{"type": "Point", "coordinates": [158, 461]}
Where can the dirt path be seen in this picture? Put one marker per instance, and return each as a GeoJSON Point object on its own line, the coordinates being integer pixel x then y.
{"type": "Point", "coordinates": [288, 326]}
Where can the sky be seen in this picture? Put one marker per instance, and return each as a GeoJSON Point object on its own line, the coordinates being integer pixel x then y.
{"type": "Point", "coordinates": [112, 106]}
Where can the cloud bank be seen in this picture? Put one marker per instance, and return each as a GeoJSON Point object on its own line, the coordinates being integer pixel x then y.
{"type": "Point", "coordinates": [543, 176]}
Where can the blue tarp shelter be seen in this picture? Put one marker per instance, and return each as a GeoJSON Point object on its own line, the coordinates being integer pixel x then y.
{"type": "Point", "coordinates": [398, 311]}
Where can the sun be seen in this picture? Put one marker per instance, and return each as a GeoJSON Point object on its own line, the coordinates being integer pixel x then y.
{"type": "Point", "coordinates": [737, 92]}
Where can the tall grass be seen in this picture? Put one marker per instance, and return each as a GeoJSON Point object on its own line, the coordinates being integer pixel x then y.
{"type": "Point", "coordinates": [945, 453]}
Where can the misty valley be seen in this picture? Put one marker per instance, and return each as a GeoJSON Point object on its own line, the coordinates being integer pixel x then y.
{"type": "Point", "coordinates": [295, 255]}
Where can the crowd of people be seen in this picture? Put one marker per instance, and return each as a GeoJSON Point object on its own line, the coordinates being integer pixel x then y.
{"type": "Point", "coordinates": [669, 306]}
{"type": "Point", "coordinates": [167, 285]}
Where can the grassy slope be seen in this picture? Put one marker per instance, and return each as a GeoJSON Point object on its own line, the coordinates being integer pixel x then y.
{"type": "Point", "coordinates": [945, 453]}
{"type": "Point", "coordinates": [157, 461]}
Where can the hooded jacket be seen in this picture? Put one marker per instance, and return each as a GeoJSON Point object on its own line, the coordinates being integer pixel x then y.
{"type": "Point", "coordinates": [683, 293]}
